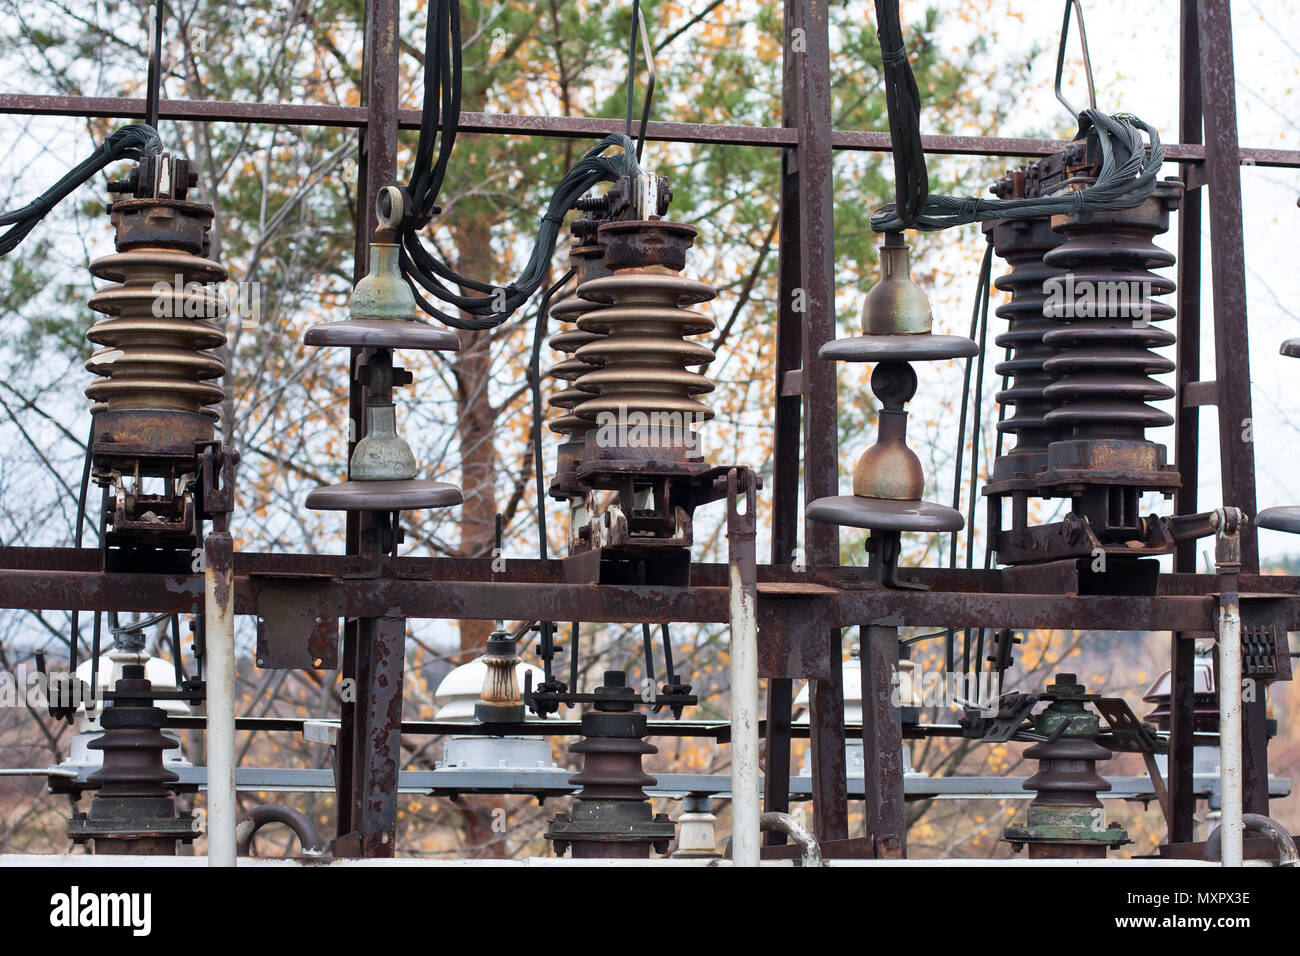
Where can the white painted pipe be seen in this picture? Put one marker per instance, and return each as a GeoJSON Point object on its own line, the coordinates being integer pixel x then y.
{"type": "Point", "coordinates": [1230, 759]}
{"type": "Point", "coordinates": [744, 723]}
{"type": "Point", "coordinates": [791, 826]}
{"type": "Point", "coordinates": [219, 645]}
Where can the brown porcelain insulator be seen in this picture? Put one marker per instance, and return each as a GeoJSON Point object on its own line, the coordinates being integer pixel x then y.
{"type": "Point", "coordinates": [133, 744]}
{"type": "Point", "coordinates": [612, 816]}
{"type": "Point", "coordinates": [611, 768]}
{"type": "Point", "coordinates": [133, 810]}
{"type": "Point", "coordinates": [163, 314]}
{"type": "Point", "coordinates": [588, 262]}
{"type": "Point", "coordinates": [644, 356]}
{"type": "Point", "coordinates": [1067, 773]}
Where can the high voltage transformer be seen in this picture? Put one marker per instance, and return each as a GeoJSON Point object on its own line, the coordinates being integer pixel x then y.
{"type": "Point", "coordinates": [1096, 344]}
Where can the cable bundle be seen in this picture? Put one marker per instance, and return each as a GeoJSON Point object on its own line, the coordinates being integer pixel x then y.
{"type": "Point", "coordinates": [1127, 176]}
{"type": "Point", "coordinates": [129, 142]}
{"type": "Point", "coordinates": [442, 98]}
{"type": "Point", "coordinates": [903, 102]}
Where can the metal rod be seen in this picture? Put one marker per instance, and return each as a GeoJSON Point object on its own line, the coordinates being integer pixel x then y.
{"type": "Point", "coordinates": [219, 640]}
{"type": "Point", "coordinates": [575, 127]}
{"type": "Point", "coordinates": [743, 589]}
{"type": "Point", "coordinates": [153, 81]}
{"type": "Point", "coordinates": [1230, 723]}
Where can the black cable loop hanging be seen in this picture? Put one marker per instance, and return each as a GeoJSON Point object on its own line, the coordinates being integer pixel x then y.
{"type": "Point", "coordinates": [439, 124]}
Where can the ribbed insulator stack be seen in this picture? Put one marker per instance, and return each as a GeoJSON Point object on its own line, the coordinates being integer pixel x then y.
{"type": "Point", "coordinates": [134, 809]}
{"type": "Point", "coordinates": [1107, 314]}
{"type": "Point", "coordinates": [1065, 819]}
{"type": "Point", "coordinates": [1022, 244]}
{"type": "Point", "coordinates": [643, 355]}
{"type": "Point", "coordinates": [164, 313]}
{"type": "Point", "coordinates": [1067, 773]}
{"type": "Point", "coordinates": [588, 262]}
{"type": "Point", "coordinates": [612, 816]}
{"type": "Point", "coordinates": [611, 768]}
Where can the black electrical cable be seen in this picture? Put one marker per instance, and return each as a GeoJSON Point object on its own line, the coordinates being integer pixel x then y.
{"type": "Point", "coordinates": [574, 634]}
{"type": "Point", "coordinates": [1127, 176]}
{"type": "Point", "coordinates": [977, 665]}
{"type": "Point", "coordinates": [74, 643]}
{"type": "Point", "coordinates": [982, 303]}
{"type": "Point", "coordinates": [439, 123]}
{"type": "Point", "coordinates": [535, 385]}
{"type": "Point", "coordinates": [903, 102]}
{"type": "Point", "coordinates": [983, 289]}
{"type": "Point", "coordinates": [534, 380]}
{"type": "Point", "coordinates": [153, 80]}
{"type": "Point", "coordinates": [129, 142]}
{"type": "Point", "coordinates": [648, 648]}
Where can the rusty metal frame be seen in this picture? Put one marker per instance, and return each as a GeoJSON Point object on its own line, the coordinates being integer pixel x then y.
{"type": "Point", "coordinates": [802, 612]}
{"type": "Point", "coordinates": [573, 127]}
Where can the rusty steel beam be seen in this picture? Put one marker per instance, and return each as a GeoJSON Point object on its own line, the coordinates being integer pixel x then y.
{"type": "Point", "coordinates": [811, 65]}
{"type": "Point", "coordinates": [1058, 612]}
{"type": "Point", "coordinates": [377, 738]}
{"type": "Point", "coordinates": [882, 741]}
{"type": "Point", "coordinates": [357, 753]}
{"type": "Point", "coordinates": [785, 424]}
{"type": "Point", "coordinates": [827, 734]}
{"type": "Point", "coordinates": [824, 608]}
{"type": "Point", "coordinates": [1228, 268]}
{"type": "Point", "coordinates": [1187, 429]}
{"type": "Point", "coordinates": [774, 580]}
{"type": "Point", "coordinates": [575, 127]}
{"type": "Point", "coordinates": [1231, 333]}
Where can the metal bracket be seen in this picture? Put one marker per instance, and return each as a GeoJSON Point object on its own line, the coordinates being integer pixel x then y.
{"type": "Point", "coordinates": [297, 623]}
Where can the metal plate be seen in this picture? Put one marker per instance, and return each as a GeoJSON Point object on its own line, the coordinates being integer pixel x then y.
{"type": "Point", "coordinates": [297, 623]}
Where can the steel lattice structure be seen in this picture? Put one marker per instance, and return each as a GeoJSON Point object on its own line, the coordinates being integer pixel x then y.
{"type": "Point", "coordinates": [800, 611]}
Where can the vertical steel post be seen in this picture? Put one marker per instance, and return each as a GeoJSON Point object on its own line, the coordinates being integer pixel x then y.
{"type": "Point", "coordinates": [817, 234]}
{"type": "Point", "coordinates": [378, 733]}
{"type": "Point", "coordinates": [820, 408]}
{"type": "Point", "coordinates": [826, 746]}
{"type": "Point", "coordinates": [785, 424]}
{"type": "Point", "coordinates": [376, 169]}
{"type": "Point", "coordinates": [1187, 423]}
{"type": "Point", "coordinates": [1232, 354]}
{"type": "Point", "coordinates": [882, 740]}
{"type": "Point", "coordinates": [1228, 266]}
